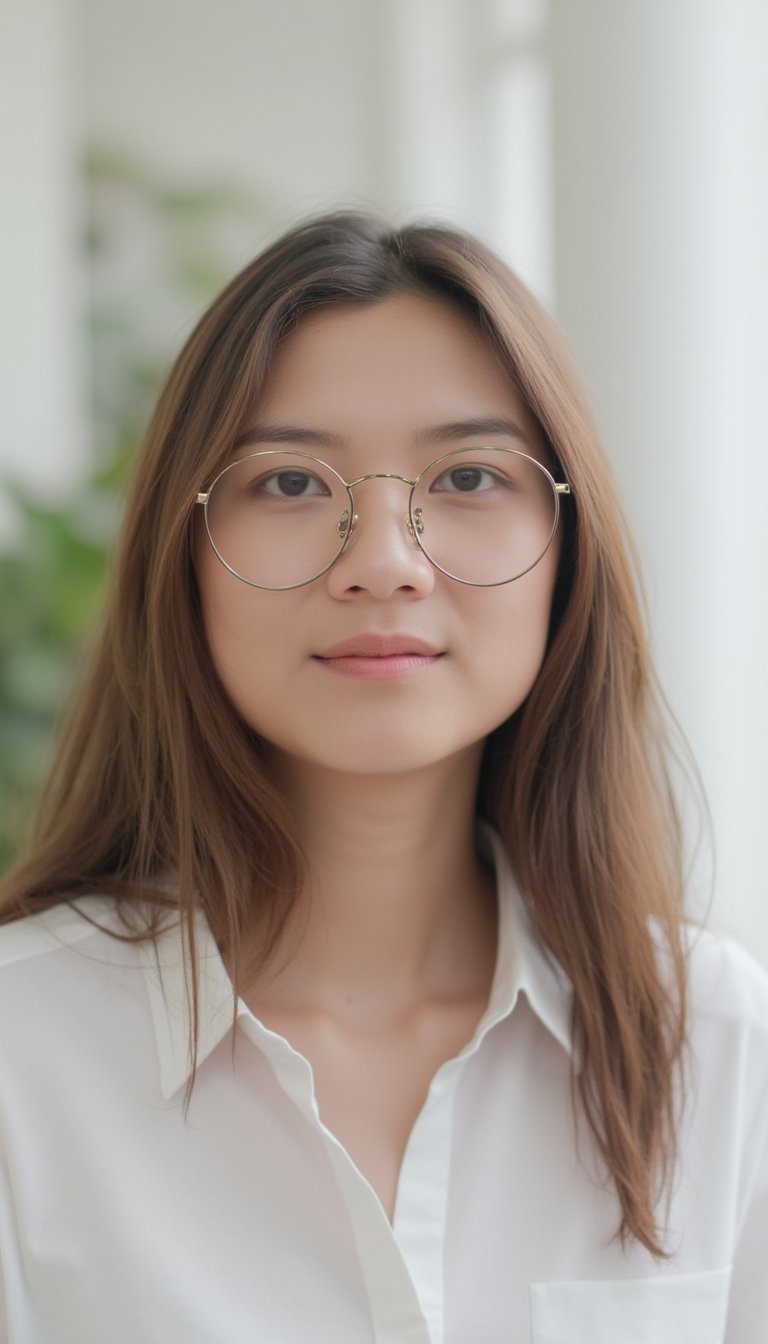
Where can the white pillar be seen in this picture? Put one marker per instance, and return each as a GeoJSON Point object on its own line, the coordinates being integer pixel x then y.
{"type": "Point", "coordinates": [661, 207]}
{"type": "Point", "coordinates": [433, 112]}
{"type": "Point", "coordinates": [464, 131]}
{"type": "Point", "coordinates": [41, 441]}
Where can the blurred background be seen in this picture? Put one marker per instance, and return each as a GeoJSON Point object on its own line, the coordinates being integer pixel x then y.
{"type": "Point", "coordinates": [614, 151]}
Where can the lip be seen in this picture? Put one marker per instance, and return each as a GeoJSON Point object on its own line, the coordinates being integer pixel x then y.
{"type": "Point", "coordinates": [380, 646]}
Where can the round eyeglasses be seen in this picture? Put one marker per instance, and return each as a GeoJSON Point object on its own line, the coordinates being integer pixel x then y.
{"type": "Point", "coordinates": [481, 516]}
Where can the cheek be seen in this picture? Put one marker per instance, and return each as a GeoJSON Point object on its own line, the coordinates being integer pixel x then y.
{"type": "Point", "coordinates": [232, 624]}
{"type": "Point", "coordinates": [219, 607]}
{"type": "Point", "coordinates": [511, 634]}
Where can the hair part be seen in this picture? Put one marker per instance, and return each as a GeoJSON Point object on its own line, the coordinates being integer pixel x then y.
{"type": "Point", "coordinates": [156, 774]}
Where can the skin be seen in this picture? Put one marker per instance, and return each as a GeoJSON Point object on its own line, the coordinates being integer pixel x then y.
{"type": "Point", "coordinates": [387, 971]}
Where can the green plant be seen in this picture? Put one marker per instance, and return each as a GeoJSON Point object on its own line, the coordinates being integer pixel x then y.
{"type": "Point", "coordinates": [156, 250]}
{"type": "Point", "coordinates": [50, 588]}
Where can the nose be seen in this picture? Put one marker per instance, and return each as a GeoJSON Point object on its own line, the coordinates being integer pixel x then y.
{"type": "Point", "coordinates": [382, 557]}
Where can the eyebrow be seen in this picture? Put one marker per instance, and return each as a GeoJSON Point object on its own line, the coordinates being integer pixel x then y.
{"type": "Point", "coordinates": [270, 432]}
{"type": "Point", "coordinates": [466, 429]}
{"type": "Point", "coordinates": [267, 432]}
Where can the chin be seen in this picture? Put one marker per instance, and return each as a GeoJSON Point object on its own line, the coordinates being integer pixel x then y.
{"type": "Point", "coordinates": [371, 758]}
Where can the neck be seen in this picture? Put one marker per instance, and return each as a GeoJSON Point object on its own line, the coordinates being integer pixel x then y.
{"type": "Point", "coordinates": [398, 907]}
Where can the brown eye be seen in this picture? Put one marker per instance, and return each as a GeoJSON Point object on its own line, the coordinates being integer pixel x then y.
{"type": "Point", "coordinates": [466, 479]}
{"type": "Point", "coordinates": [292, 484]}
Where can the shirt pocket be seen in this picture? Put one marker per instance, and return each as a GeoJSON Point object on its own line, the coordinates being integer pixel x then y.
{"type": "Point", "coordinates": [673, 1309]}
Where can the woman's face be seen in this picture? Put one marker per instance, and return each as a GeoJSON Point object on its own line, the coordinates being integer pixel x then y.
{"type": "Point", "coordinates": [378, 386]}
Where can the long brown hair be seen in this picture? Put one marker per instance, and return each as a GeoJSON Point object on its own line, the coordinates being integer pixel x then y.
{"type": "Point", "coordinates": [157, 774]}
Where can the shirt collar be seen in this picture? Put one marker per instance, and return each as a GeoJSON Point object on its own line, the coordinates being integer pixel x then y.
{"type": "Point", "coordinates": [524, 965]}
{"type": "Point", "coordinates": [171, 1002]}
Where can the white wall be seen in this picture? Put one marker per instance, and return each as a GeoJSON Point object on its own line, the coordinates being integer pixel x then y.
{"type": "Point", "coordinates": [41, 375]}
{"type": "Point", "coordinates": [466, 116]}
{"type": "Point", "coordinates": [280, 95]}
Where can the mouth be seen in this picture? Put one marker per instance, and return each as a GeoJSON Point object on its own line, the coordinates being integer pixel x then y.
{"type": "Point", "coordinates": [377, 657]}
{"type": "Point", "coordinates": [380, 646]}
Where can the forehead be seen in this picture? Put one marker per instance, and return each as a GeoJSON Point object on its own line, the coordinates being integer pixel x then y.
{"type": "Point", "coordinates": [393, 367]}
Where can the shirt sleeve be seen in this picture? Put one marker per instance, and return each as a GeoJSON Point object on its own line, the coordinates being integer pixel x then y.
{"type": "Point", "coordinates": [748, 1303]}
{"type": "Point", "coordinates": [4, 1327]}
{"type": "Point", "coordinates": [15, 1327]}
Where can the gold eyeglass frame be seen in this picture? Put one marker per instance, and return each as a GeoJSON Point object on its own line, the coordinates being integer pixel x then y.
{"type": "Point", "coordinates": [349, 519]}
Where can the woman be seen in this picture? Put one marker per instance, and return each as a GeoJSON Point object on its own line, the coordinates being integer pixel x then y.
{"type": "Point", "coordinates": [345, 986]}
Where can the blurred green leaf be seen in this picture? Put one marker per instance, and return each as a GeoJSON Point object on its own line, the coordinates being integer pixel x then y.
{"type": "Point", "coordinates": [156, 251]}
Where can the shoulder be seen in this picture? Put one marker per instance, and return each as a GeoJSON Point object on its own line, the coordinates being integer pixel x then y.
{"type": "Point", "coordinates": [54, 930]}
{"type": "Point", "coordinates": [42, 956]}
{"type": "Point", "coordinates": [726, 1055]}
{"type": "Point", "coordinates": [726, 985]}
{"type": "Point", "coordinates": [73, 996]}
{"type": "Point", "coordinates": [727, 1033]}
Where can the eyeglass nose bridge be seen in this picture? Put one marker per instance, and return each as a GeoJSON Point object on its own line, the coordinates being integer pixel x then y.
{"type": "Point", "coordinates": [413, 521]}
{"type": "Point", "coordinates": [380, 476]}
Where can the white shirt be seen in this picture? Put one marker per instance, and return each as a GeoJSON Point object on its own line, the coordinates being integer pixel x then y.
{"type": "Point", "coordinates": [121, 1221]}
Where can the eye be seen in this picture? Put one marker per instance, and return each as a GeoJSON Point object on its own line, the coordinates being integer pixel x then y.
{"type": "Point", "coordinates": [291, 483]}
{"type": "Point", "coordinates": [467, 479]}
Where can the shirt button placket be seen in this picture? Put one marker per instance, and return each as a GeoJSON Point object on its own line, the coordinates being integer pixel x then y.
{"type": "Point", "coordinates": [422, 1196]}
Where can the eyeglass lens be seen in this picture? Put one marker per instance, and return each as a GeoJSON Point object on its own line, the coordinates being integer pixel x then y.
{"type": "Point", "coordinates": [483, 516]}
